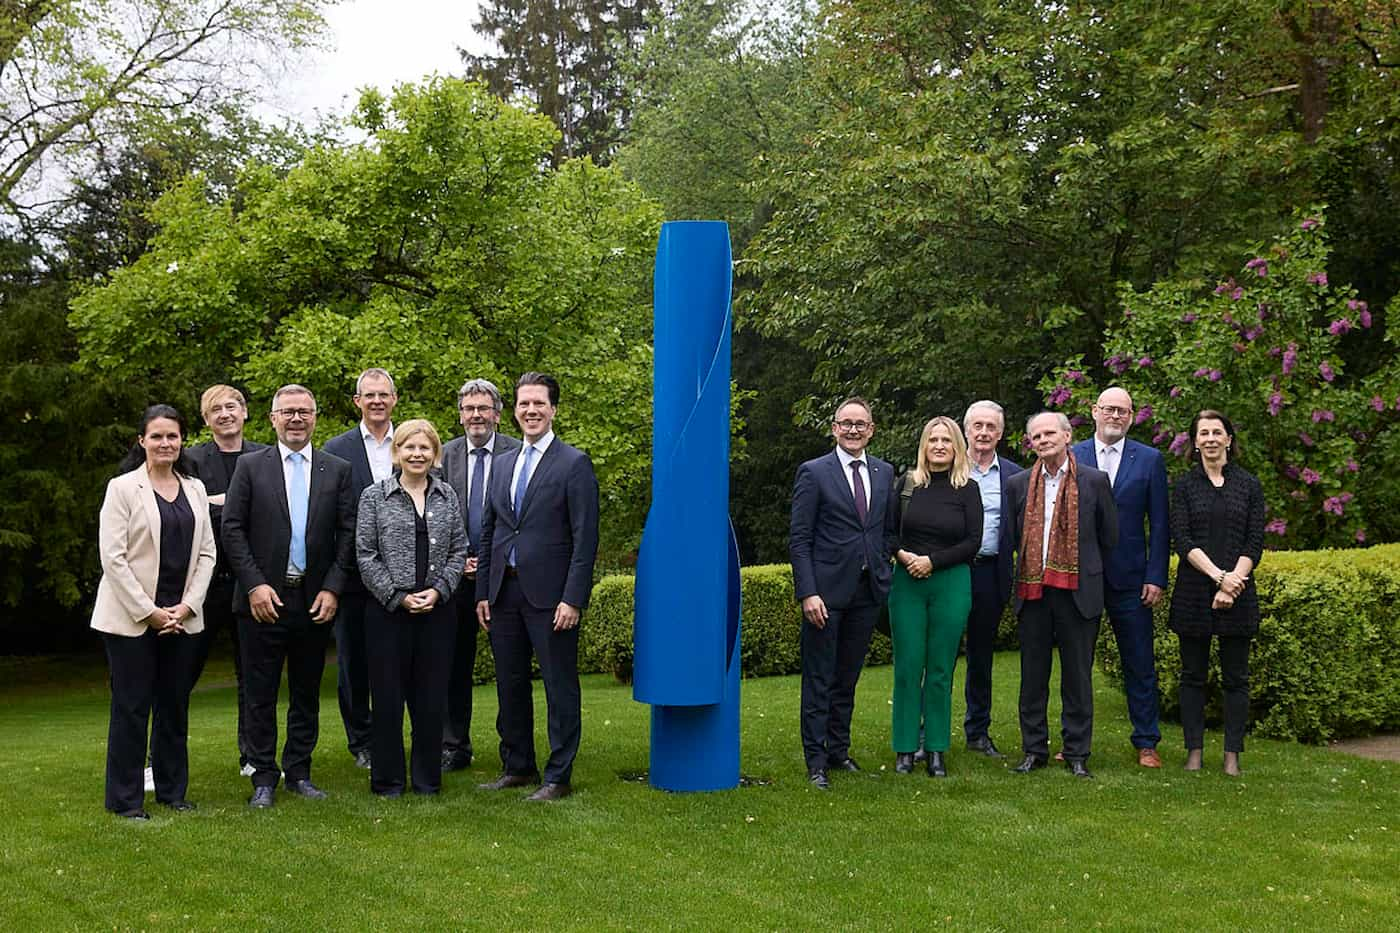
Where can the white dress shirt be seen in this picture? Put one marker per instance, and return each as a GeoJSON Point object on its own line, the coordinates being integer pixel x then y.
{"type": "Point", "coordinates": [1110, 463]}
{"type": "Point", "coordinates": [379, 453]}
{"type": "Point", "coordinates": [1052, 491]}
{"type": "Point", "coordinates": [540, 446]}
{"type": "Point", "coordinates": [846, 461]}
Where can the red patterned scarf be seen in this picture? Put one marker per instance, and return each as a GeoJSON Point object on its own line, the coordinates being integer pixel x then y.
{"type": "Point", "coordinates": [1060, 567]}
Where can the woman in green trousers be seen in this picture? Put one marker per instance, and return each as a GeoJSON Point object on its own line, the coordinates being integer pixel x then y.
{"type": "Point", "coordinates": [940, 529]}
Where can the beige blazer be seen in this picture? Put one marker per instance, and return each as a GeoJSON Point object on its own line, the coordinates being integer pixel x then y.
{"type": "Point", "coordinates": [128, 541]}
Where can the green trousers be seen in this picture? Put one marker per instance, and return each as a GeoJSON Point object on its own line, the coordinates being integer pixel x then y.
{"type": "Point", "coordinates": [927, 619]}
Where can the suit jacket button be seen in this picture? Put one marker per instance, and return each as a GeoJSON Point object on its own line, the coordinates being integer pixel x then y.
{"type": "Point", "coordinates": [432, 566]}
{"type": "Point", "coordinates": [432, 540]}
{"type": "Point", "coordinates": [430, 514]}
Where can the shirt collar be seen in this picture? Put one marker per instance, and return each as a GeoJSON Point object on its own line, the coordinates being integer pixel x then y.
{"type": "Point", "coordinates": [489, 446]}
{"type": "Point", "coordinates": [366, 434]}
{"type": "Point", "coordinates": [995, 465]}
{"type": "Point", "coordinates": [540, 445]}
{"type": "Point", "coordinates": [284, 451]}
{"type": "Point", "coordinates": [1064, 468]}
{"type": "Point", "coordinates": [1100, 446]}
{"type": "Point", "coordinates": [846, 459]}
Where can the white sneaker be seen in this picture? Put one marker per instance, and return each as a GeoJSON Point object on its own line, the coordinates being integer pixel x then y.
{"type": "Point", "coordinates": [246, 771]}
{"type": "Point", "coordinates": [150, 780]}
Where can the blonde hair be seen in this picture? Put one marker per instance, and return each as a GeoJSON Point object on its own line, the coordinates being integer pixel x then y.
{"type": "Point", "coordinates": [217, 393]}
{"type": "Point", "coordinates": [413, 428]}
{"type": "Point", "coordinates": [961, 470]}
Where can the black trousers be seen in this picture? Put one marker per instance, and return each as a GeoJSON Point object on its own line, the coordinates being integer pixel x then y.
{"type": "Point", "coordinates": [457, 725]}
{"type": "Point", "coordinates": [1054, 620]}
{"type": "Point", "coordinates": [352, 670]}
{"type": "Point", "coordinates": [218, 619]}
{"type": "Point", "coordinates": [517, 630]}
{"type": "Point", "coordinates": [832, 658]}
{"type": "Point", "coordinates": [988, 603]}
{"type": "Point", "coordinates": [410, 657]}
{"type": "Point", "coordinates": [149, 673]}
{"type": "Point", "coordinates": [301, 644]}
{"type": "Point", "coordinates": [1234, 684]}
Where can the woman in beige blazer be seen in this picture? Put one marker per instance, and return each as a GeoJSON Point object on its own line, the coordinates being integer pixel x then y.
{"type": "Point", "coordinates": [157, 550]}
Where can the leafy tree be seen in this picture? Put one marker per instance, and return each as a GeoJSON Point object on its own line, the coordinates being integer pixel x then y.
{"type": "Point", "coordinates": [1263, 346]}
{"type": "Point", "coordinates": [76, 74]}
{"type": "Point", "coordinates": [563, 55]}
{"type": "Point", "coordinates": [443, 247]}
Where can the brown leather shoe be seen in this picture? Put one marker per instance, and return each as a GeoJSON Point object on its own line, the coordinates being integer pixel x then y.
{"type": "Point", "coordinates": [1148, 758]}
{"type": "Point", "coordinates": [506, 781]}
{"type": "Point", "coordinates": [549, 792]}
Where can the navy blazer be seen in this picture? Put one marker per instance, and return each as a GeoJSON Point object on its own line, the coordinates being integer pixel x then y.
{"type": "Point", "coordinates": [350, 447]}
{"type": "Point", "coordinates": [1098, 530]}
{"type": "Point", "coordinates": [1141, 494]}
{"type": "Point", "coordinates": [555, 536]}
{"type": "Point", "coordinates": [827, 542]}
{"type": "Point", "coordinates": [454, 467]}
{"type": "Point", "coordinates": [257, 526]}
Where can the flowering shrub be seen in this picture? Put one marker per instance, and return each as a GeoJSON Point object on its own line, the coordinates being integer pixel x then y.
{"type": "Point", "coordinates": [1261, 346]}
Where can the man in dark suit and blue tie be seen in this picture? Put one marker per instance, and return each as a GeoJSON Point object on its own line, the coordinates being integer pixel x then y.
{"type": "Point", "coordinates": [466, 465]}
{"type": "Point", "coordinates": [992, 571]}
{"type": "Point", "coordinates": [289, 534]}
{"type": "Point", "coordinates": [1135, 572]}
{"type": "Point", "coordinates": [367, 447]}
{"type": "Point", "coordinates": [841, 536]}
{"type": "Point", "coordinates": [1065, 524]}
{"type": "Point", "coordinates": [539, 538]}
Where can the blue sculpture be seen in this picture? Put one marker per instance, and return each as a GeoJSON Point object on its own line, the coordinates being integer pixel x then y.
{"type": "Point", "coordinates": [686, 637]}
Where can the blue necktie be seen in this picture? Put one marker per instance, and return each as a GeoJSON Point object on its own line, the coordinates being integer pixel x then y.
{"type": "Point", "coordinates": [520, 485]}
{"type": "Point", "coordinates": [476, 502]}
{"type": "Point", "coordinates": [296, 507]}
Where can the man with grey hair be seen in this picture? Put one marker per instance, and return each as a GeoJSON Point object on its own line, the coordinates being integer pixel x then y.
{"type": "Point", "coordinates": [466, 465]}
{"type": "Point", "coordinates": [1064, 520]}
{"type": "Point", "coordinates": [992, 572]}
{"type": "Point", "coordinates": [368, 447]}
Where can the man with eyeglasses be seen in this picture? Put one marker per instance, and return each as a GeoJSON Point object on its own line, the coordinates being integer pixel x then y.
{"type": "Point", "coordinates": [466, 465]}
{"type": "Point", "coordinates": [289, 534]}
{"type": "Point", "coordinates": [367, 448]}
{"type": "Point", "coordinates": [841, 538]}
{"type": "Point", "coordinates": [1135, 572]}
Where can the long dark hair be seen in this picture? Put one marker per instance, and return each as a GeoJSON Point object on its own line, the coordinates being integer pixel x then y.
{"type": "Point", "coordinates": [136, 456]}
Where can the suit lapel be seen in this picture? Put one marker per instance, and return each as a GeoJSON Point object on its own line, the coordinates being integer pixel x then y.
{"type": "Point", "coordinates": [147, 495]}
{"type": "Point", "coordinates": [542, 469]}
{"type": "Point", "coordinates": [838, 473]}
{"type": "Point", "coordinates": [501, 473]}
{"type": "Point", "coordinates": [317, 482]}
{"type": "Point", "coordinates": [878, 491]}
{"type": "Point", "coordinates": [278, 479]}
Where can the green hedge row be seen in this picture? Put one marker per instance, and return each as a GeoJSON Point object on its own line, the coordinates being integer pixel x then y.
{"type": "Point", "coordinates": [1326, 662]}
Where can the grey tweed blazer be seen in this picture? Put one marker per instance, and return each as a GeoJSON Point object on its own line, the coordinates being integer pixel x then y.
{"type": "Point", "coordinates": [385, 540]}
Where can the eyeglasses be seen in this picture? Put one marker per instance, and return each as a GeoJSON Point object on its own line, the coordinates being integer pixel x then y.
{"type": "Point", "coordinates": [859, 426]}
{"type": "Point", "coordinates": [292, 414]}
{"type": "Point", "coordinates": [1115, 411]}
{"type": "Point", "coordinates": [477, 409]}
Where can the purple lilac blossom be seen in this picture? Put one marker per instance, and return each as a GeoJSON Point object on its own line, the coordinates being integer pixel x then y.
{"type": "Point", "coordinates": [1308, 224]}
{"type": "Point", "coordinates": [1306, 438]}
{"type": "Point", "coordinates": [1310, 476]}
{"type": "Point", "coordinates": [1317, 278]}
{"type": "Point", "coordinates": [1144, 362]}
{"type": "Point", "coordinates": [1326, 370]}
{"type": "Point", "coordinates": [1143, 415]}
{"type": "Point", "coordinates": [1361, 536]}
{"type": "Point", "coordinates": [1290, 359]}
{"type": "Point", "coordinates": [1290, 471]}
{"type": "Point", "coordinates": [1277, 527]}
{"type": "Point", "coordinates": [1214, 375]}
{"type": "Point", "coordinates": [1338, 327]}
{"type": "Point", "coordinates": [1275, 404]}
{"type": "Point", "coordinates": [1377, 403]}
{"type": "Point", "coordinates": [1178, 444]}
{"type": "Point", "coordinates": [1175, 392]}
{"type": "Point", "coordinates": [1322, 414]}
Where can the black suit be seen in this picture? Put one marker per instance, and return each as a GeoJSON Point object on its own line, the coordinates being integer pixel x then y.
{"type": "Point", "coordinates": [352, 661]}
{"type": "Point", "coordinates": [555, 541]}
{"type": "Point", "coordinates": [845, 561]}
{"type": "Point", "coordinates": [211, 467]}
{"type": "Point", "coordinates": [1063, 618]}
{"type": "Point", "coordinates": [257, 540]}
{"type": "Point", "coordinates": [457, 724]}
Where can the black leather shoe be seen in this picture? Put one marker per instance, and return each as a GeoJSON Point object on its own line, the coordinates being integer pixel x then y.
{"type": "Point", "coordinates": [262, 799]}
{"type": "Point", "coordinates": [846, 764]}
{"type": "Point", "coordinates": [921, 754]}
{"type": "Point", "coordinates": [304, 788]}
{"type": "Point", "coordinates": [362, 759]}
{"type": "Point", "coordinates": [1028, 764]}
{"type": "Point", "coordinates": [551, 791]}
{"type": "Point", "coordinates": [456, 761]}
{"type": "Point", "coordinates": [984, 745]}
{"type": "Point", "coordinates": [1077, 769]}
{"type": "Point", "coordinates": [903, 762]}
{"type": "Point", "coordinates": [179, 806]}
{"type": "Point", "coordinates": [137, 814]}
{"type": "Point", "coordinates": [818, 780]}
{"type": "Point", "coordinates": [507, 781]}
{"type": "Point", "coordinates": [936, 768]}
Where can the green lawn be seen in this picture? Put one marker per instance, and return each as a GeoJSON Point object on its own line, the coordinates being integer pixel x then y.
{"type": "Point", "coordinates": [1307, 839]}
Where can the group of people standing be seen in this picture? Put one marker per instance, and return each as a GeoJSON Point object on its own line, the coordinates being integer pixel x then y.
{"type": "Point", "coordinates": [1085, 530]}
{"type": "Point", "coordinates": [404, 545]}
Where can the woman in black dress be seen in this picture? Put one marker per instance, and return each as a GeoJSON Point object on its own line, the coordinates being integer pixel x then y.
{"type": "Point", "coordinates": [1217, 521]}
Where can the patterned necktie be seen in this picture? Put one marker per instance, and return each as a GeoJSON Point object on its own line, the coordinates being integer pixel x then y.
{"type": "Point", "coordinates": [296, 508]}
{"type": "Point", "coordinates": [475, 500]}
{"type": "Point", "coordinates": [859, 483]}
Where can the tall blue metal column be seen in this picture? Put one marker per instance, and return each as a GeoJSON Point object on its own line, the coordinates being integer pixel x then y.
{"type": "Point", "coordinates": [686, 639]}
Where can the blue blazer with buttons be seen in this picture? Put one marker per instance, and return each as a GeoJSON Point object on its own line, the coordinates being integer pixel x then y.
{"type": "Point", "coordinates": [827, 542]}
{"type": "Point", "coordinates": [1140, 492]}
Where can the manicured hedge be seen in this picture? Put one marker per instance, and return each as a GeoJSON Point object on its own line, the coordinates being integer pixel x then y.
{"type": "Point", "coordinates": [1326, 662]}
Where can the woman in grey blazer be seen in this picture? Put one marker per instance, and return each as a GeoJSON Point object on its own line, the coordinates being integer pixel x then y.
{"type": "Point", "coordinates": [156, 544]}
{"type": "Point", "coordinates": [411, 546]}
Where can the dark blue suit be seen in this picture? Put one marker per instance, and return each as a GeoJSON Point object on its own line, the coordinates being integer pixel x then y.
{"type": "Point", "coordinates": [352, 660]}
{"type": "Point", "coordinates": [991, 587]}
{"type": "Point", "coordinates": [847, 563]}
{"type": "Point", "coordinates": [555, 540]}
{"type": "Point", "coordinates": [1140, 492]}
